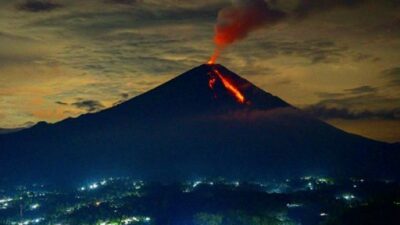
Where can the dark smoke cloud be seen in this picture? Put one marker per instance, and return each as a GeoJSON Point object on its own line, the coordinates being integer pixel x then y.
{"type": "Point", "coordinates": [61, 103]}
{"type": "Point", "coordinates": [362, 90]}
{"type": "Point", "coordinates": [38, 6]}
{"type": "Point", "coordinates": [306, 7]}
{"type": "Point", "coordinates": [124, 97]}
{"type": "Point", "coordinates": [393, 75]}
{"type": "Point", "coordinates": [122, 2]}
{"type": "Point", "coordinates": [89, 105]}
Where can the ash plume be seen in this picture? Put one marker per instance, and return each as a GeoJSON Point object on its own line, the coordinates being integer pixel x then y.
{"type": "Point", "coordinates": [238, 20]}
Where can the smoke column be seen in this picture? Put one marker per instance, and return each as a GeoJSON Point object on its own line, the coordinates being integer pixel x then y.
{"type": "Point", "coordinates": [237, 21]}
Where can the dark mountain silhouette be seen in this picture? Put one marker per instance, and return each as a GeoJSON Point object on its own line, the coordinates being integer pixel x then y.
{"type": "Point", "coordinates": [184, 129]}
{"type": "Point", "coordinates": [9, 130]}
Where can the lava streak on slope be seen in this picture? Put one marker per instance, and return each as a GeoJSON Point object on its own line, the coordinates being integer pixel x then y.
{"type": "Point", "coordinates": [227, 84]}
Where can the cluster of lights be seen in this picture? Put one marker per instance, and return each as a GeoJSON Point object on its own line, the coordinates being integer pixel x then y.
{"type": "Point", "coordinates": [135, 219]}
{"type": "Point", "coordinates": [315, 180]}
{"type": "Point", "coordinates": [27, 222]}
{"type": "Point", "coordinates": [294, 205]}
{"type": "Point", "coordinates": [127, 221]}
{"type": "Point", "coordinates": [211, 183]}
{"type": "Point", "coordinates": [94, 185]}
{"type": "Point", "coordinates": [138, 185]}
{"type": "Point", "coordinates": [308, 183]}
{"type": "Point", "coordinates": [4, 206]}
{"type": "Point", "coordinates": [310, 186]}
{"type": "Point", "coordinates": [5, 202]}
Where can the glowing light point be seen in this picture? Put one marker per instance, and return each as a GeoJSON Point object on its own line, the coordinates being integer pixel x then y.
{"type": "Point", "coordinates": [34, 206]}
{"type": "Point", "coordinates": [197, 183]}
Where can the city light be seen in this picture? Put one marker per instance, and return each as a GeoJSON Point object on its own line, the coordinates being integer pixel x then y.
{"type": "Point", "coordinates": [196, 183]}
{"type": "Point", "coordinates": [93, 186]}
{"type": "Point", "coordinates": [294, 205]}
{"type": "Point", "coordinates": [34, 206]}
{"type": "Point", "coordinates": [4, 200]}
{"type": "Point", "coordinates": [348, 197]}
{"type": "Point", "coordinates": [112, 203]}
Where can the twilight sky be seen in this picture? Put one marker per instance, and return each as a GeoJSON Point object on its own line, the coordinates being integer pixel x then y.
{"type": "Point", "coordinates": [337, 59]}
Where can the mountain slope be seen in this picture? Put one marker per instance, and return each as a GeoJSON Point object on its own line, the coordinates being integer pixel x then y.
{"type": "Point", "coordinates": [9, 130]}
{"type": "Point", "coordinates": [190, 127]}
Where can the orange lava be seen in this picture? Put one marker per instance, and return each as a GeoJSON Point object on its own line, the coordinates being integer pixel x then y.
{"type": "Point", "coordinates": [214, 57]}
{"type": "Point", "coordinates": [211, 82]}
{"type": "Point", "coordinates": [230, 87]}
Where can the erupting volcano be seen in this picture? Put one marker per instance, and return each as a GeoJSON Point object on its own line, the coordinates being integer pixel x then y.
{"type": "Point", "coordinates": [206, 122]}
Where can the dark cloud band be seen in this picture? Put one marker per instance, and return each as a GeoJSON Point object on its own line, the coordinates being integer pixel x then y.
{"type": "Point", "coordinates": [88, 105]}
{"type": "Point", "coordinates": [38, 6]}
{"type": "Point", "coordinates": [326, 113]}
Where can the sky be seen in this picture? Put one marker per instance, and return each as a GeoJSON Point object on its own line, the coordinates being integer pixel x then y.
{"type": "Point", "coordinates": [339, 60]}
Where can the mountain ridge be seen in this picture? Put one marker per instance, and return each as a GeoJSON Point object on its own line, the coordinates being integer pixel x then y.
{"type": "Point", "coordinates": [187, 128]}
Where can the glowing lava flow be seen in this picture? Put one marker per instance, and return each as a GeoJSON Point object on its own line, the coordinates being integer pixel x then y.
{"type": "Point", "coordinates": [229, 86]}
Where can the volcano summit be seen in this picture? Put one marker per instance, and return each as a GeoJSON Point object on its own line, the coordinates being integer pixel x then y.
{"type": "Point", "coordinates": [207, 122]}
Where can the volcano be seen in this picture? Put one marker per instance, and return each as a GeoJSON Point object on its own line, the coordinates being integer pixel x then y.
{"type": "Point", "coordinates": [207, 122]}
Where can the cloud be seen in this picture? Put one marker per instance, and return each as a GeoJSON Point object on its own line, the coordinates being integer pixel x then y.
{"type": "Point", "coordinates": [393, 72]}
{"type": "Point", "coordinates": [393, 75]}
{"type": "Point", "coordinates": [124, 97]}
{"type": "Point", "coordinates": [360, 102]}
{"type": "Point", "coordinates": [122, 2]}
{"type": "Point", "coordinates": [347, 93]}
{"type": "Point", "coordinates": [326, 113]}
{"type": "Point", "coordinates": [362, 90]}
{"type": "Point", "coordinates": [38, 6]}
{"type": "Point", "coordinates": [305, 7]}
{"type": "Point", "coordinates": [326, 95]}
{"type": "Point", "coordinates": [61, 103]}
{"type": "Point", "coordinates": [363, 102]}
{"type": "Point", "coordinates": [360, 57]}
{"type": "Point", "coordinates": [316, 51]}
{"type": "Point", "coordinates": [88, 105]}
